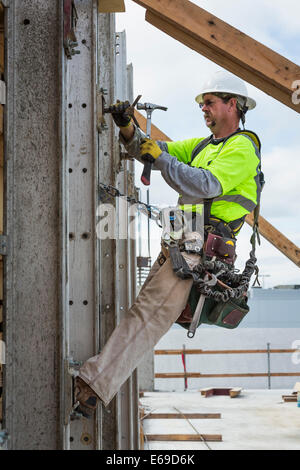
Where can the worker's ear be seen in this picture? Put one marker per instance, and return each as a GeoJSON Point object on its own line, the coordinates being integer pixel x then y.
{"type": "Point", "coordinates": [233, 103]}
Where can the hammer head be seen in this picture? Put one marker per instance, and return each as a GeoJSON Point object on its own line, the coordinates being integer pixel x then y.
{"type": "Point", "coordinates": [150, 107]}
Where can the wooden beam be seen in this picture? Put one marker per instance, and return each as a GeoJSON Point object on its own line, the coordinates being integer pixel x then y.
{"type": "Point", "coordinates": [198, 375]}
{"type": "Point", "coordinates": [156, 133]}
{"type": "Point", "coordinates": [226, 46]}
{"type": "Point", "coordinates": [221, 351]}
{"type": "Point", "coordinates": [185, 416]}
{"type": "Point", "coordinates": [267, 230]}
{"type": "Point", "coordinates": [142, 437]}
{"type": "Point", "coordinates": [217, 391]}
{"type": "Point", "coordinates": [111, 6]}
{"type": "Point", "coordinates": [234, 392]}
{"type": "Point", "coordinates": [277, 239]}
{"type": "Point", "coordinates": [289, 398]}
{"type": "Point", "coordinates": [184, 437]}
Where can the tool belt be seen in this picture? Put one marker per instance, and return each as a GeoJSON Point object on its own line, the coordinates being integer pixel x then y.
{"type": "Point", "coordinates": [225, 291]}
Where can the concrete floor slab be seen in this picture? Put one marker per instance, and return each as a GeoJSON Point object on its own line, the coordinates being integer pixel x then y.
{"type": "Point", "coordinates": [255, 420]}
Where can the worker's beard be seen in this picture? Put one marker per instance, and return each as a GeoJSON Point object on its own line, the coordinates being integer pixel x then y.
{"type": "Point", "coordinates": [211, 125]}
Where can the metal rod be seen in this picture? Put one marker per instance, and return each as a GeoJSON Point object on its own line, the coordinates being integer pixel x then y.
{"type": "Point", "coordinates": [184, 367]}
{"type": "Point", "coordinates": [140, 241]}
{"type": "Point", "coordinates": [148, 224]}
{"type": "Point", "coordinates": [269, 366]}
{"type": "Point", "coordinates": [195, 429]}
{"type": "Point", "coordinates": [139, 226]}
{"type": "Point", "coordinates": [149, 114]}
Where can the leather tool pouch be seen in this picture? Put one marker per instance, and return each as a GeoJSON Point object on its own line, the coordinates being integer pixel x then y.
{"type": "Point", "coordinates": [222, 248]}
{"type": "Point", "coordinates": [224, 314]}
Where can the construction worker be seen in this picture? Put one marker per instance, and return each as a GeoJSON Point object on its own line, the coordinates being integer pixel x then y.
{"type": "Point", "coordinates": [223, 169]}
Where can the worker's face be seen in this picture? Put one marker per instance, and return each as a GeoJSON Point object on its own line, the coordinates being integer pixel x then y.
{"type": "Point", "coordinates": [216, 112]}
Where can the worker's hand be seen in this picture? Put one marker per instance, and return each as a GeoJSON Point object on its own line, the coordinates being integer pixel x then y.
{"type": "Point", "coordinates": [118, 112]}
{"type": "Point", "coordinates": [151, 148]}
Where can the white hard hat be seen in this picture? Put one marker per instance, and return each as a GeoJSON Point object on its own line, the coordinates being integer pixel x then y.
{"type": "Point", "coordinates": [225, 82]}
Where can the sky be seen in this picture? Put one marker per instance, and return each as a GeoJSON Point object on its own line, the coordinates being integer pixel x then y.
{"type": "Point", "coordinates": [170, 74]}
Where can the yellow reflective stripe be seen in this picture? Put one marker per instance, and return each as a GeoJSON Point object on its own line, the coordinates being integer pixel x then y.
{"type": "Point", "coordinates": [238, 228]}
{"type": "Point", "coordinates": [198, 208]}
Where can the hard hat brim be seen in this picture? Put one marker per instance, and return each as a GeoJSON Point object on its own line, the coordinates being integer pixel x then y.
{"type": "Point", "coordinates": [251, 103]}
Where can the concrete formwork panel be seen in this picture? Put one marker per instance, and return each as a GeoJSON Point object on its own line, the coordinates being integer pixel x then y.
{"type": "Point", "coordinates": [64, 287]}
{"type": "Point", "coordinates": [33, 159]}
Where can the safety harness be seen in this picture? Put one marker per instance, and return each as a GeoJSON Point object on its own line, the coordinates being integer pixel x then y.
{"type": "Point", "coordinates": [219, 292]}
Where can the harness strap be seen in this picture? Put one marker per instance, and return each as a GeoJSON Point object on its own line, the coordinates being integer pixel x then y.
{"type": "Point", "coordinates": [253, 136]}
{"type": "Point", "coordinates": [225, 229]}
{"type": "Point", "coordinates": [235, 225]}
{"type": "Point", "coordinates": [200, 147]}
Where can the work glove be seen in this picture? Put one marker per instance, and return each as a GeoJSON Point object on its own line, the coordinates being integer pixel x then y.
{"type": "Point", "coordinates": [149, 148]}
{"type": "Point", "coordinates": [118, 112]}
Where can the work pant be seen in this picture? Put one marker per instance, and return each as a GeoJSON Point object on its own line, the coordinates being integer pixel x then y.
{"type": "Point", "coordinates": [158, 305]}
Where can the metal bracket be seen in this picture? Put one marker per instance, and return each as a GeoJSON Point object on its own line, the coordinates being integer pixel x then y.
{"type": "Point", "coordinates": [71, 369]}
{"type": "Point", "coordinates": [2, 92]}
{"type": "Point", "coordinates": [3, 245]}
{"type": "Point", "coordinates": [70, 23]}
{"type": "Point", "coordinates": [74, 365]}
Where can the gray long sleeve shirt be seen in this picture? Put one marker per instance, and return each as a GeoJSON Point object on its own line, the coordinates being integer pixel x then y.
{"type": "Point", "coordinates": [193, 184]}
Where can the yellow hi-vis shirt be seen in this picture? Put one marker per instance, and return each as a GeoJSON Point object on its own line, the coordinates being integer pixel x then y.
{"type": "Point", "coordinates": [236, 165]}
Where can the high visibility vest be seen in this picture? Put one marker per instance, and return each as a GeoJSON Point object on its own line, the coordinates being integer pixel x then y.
{"type": "Point", "coordinates": [236, 163]}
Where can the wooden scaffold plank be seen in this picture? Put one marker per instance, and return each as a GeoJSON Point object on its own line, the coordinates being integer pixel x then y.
{"type": "Point", "coordinates": [226, 46]}
{"type": "Point", "coordinates": [184, 437]}
{"type": "Point", "coordinates": [277, 239]}
{"type": "Point", "coordinates": [185, 416]}
{"type": "Point", "coordinates": [111, 6]}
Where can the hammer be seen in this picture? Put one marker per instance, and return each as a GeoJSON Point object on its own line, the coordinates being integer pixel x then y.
{"type": "Point", "coordinates": [149, 108]}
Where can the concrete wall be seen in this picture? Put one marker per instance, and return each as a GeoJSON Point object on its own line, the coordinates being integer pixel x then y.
{"type": "Point", "coordinates": [32, 280]}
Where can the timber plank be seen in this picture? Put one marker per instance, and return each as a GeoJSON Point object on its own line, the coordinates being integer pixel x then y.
{"type": "Point", "coordinates": [156, 133]}
{"type": "Point", "coordinates": [223, 61]}
{"type": "Point", "coordinates": [226, 46]}
{"type": "Point", "coordinates": [184, 437]}
{"type": "Point", "coordinates": [289, 398]}
{"type": "Point", "coordinates": [277, 239]}
{"type": "Point", "coordinates": [142, 437]}
{"type": "Point", "coordinates": [198, 375]}
{"type": "Point", "coordinates": [185, 416]}
{"type": "Point", "coordinates": [111, 6]}
{"type": "Point", "coordinates": [221, 351]}
{"type": "Point", "coordinates": [232, 392]}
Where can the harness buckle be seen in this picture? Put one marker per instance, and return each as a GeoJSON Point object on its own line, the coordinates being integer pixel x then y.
{"type": "Point", "coordinates": [192, 246]}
